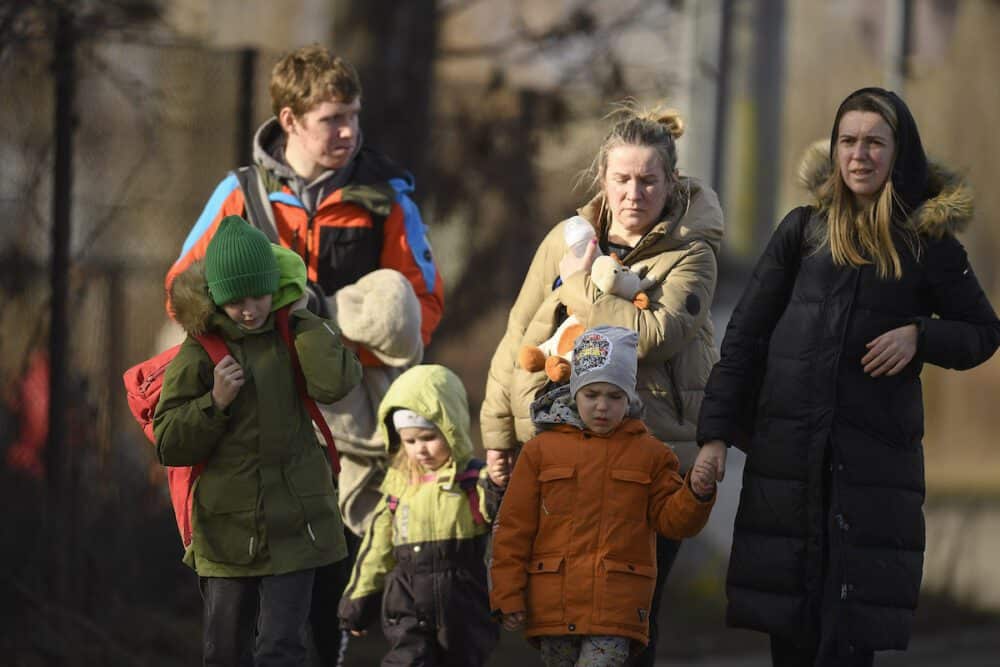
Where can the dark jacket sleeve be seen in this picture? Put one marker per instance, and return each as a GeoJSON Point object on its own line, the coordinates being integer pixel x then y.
{"type": "Point", "coordinates": [727, 411]}
{"type": "Point", "coordinates": [966, 331]}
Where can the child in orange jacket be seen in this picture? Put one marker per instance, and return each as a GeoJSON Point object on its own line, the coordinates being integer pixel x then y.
{"type": "Point", "coordinates": [574, 551]}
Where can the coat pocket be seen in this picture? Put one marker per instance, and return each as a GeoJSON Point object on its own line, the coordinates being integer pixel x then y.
{"type": "Point", "coordinates": [558, 488]}
{"type": "Point", "coordinates": [545, 590]}
{"type": "Point", "coordinates": [312, 483]}
{"type": "Point", "coordinates": [626, 593]}
{"type": "Point", "coordinates": [629, 496]}
{"type": "Point", "coordinates": [225, 519]}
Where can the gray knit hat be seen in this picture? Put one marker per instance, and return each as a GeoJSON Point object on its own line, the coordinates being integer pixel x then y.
{"type": "Point", "coordinates": [605, 354]}
{"type": "Point", "coordinates": [239, 262]}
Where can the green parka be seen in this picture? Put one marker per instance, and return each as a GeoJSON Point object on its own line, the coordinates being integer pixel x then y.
{"type": "Point", "coordinates": [422, 558]}
{"type": "Point", "coordinates": [676, 346]}
{"type": "Point", "coordinates": [265, 503]}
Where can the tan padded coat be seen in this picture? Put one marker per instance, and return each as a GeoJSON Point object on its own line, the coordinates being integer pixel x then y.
{"type": "Point", "coordinates": [676, 342]}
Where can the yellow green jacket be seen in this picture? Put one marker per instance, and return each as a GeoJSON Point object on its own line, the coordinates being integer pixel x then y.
{"type": "Point", "coordinates": [424, 528]}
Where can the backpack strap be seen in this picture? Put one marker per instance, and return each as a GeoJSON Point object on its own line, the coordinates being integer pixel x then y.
{"type": "Point", "coordinates": [256, 205]}
{"type": "Point", "coordinates": [469, 482]}
{"type": "Point", "coordinates": [281, 321]}
{"type": "Point", "coordinates": [214, 345]}
{"type": "Point", "coordinates": [392, 502]}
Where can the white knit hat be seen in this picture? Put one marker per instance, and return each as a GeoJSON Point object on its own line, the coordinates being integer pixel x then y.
{"type": "Point", "coordinates": [381, 312]}
{"type": "Point", "coordinates": [403, 418]}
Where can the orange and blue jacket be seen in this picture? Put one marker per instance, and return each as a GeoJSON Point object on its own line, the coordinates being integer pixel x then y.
{"type": "Point", "coordinates": [366, 224]}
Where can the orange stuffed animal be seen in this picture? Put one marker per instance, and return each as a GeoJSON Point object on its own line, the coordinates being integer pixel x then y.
{"type": "Point", "coordinates": [555, 355]}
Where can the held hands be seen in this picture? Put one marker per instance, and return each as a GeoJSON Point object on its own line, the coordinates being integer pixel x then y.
{"type": "Point", "coordinates": [570, 263]}
{"type": "Point", "coordinates": [703, 479]}
{"type": "Point", "coordinates": [228, 380]}
{"type": "Point", "coordinates": [709, 467]}
{"type": "Point", "coordinates": [514, 621]}
{"type": "Point", "coordinates": [359, 633]}
{"type": "Point", "coordinates": [891, 352]}
{"type": "Point", "coordinates": [498, 465]}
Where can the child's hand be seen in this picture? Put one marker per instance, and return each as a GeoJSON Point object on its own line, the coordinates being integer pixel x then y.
{"type": "Point", "coordinates": [514, 621]}
{"type": "Point", "coordinates": [228, 380]}
{"type": "Point", "coordinates": [703, 476]}
{"type": "Point", "coordinates": [498, 465]}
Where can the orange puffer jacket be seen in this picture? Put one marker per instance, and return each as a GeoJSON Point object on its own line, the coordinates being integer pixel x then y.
{"type": "Point", "coordinates": [574, 544]}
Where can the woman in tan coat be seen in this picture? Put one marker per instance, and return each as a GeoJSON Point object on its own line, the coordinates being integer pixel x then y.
{"type": "Point", "coordinates": [657, 221]}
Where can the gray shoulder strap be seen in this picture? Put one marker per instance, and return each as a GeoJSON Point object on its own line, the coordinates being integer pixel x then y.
{"type": "Point", "coordinates": [257, 208]}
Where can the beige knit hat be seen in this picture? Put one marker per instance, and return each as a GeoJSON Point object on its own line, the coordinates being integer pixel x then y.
{"type": "Point", "coordinates": [381, 312]}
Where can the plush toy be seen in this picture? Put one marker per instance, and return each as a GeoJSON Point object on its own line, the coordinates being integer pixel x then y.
{"type": "Point", "coordinates": [555, 355]}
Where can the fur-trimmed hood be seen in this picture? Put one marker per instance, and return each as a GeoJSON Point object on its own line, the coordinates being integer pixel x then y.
{"type": "Point", "coordinates": [948, 208]}
{"type": "Point", "coordinates": [195, 311]}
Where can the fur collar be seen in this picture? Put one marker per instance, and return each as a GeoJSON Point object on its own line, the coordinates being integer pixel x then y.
{"type": "Point", "coordinates": [948, 209]}
{"type": "Point", "coordinates": [193, 306]}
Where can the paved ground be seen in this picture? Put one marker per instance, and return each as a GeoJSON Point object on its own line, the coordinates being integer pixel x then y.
{"type": "Point", "coordinates": [978, 647]}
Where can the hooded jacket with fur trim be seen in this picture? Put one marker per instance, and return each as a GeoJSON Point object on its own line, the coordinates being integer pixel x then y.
{"type": "Point", "coordinates": [676, 343]}
{"type": "Point", "coordinates": [265, 503]}
{"type": "Point", "coordinates": [829, 536]}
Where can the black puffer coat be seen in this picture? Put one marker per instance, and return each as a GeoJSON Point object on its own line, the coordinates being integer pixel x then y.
{"type": "Point", "coordinates": [829, 536]}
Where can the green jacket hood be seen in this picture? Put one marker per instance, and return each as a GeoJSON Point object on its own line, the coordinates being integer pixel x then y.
{"type": "Point", "coordinates": [437, 394]}
{"type": "Point", "coordinates": [195, 311]}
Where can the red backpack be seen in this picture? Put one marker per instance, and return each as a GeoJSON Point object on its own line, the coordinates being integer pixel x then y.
{"type": "Point", "coordinates": [144, 381]}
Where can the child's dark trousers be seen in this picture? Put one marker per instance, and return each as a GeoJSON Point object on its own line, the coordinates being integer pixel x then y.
{"type": "Point", "coordinates": [256, 620]}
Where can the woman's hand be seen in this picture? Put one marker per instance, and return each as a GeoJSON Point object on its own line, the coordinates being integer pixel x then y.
{"type": "Point", "coordinates": [514, 621]}
{"type": "Point", "coordinates": [498, 465]}
{"type": "Point", "coordinates": [891, 352]}
{"type": "Point", "coordinates": [570, 263]}
{"type": "Point", "coordinates": [713, 454]}
{"type": "Point", "coordinates": [228, 378]}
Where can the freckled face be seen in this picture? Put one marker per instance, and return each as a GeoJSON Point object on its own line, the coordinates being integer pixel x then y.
{"type": "Point", "coordinates": [865, 150]}
{"type": "Point", "coordinates": [250, 312]}
{"type": "Point", "coordinates": [324, 137]}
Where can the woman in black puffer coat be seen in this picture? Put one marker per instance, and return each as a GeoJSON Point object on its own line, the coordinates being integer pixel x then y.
{"type": "Point", "coordinates": [819, 383]}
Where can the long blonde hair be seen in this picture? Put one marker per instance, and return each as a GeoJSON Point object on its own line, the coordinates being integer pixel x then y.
{"type": "Point", "coordinates": [861, 234]}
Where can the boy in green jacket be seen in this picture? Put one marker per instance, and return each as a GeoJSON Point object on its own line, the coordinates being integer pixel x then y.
{"type": "Point", "coordinates": [264, 508]}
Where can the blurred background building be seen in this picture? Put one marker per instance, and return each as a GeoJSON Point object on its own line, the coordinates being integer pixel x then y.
{"type": "Point", "coordinates": [496, 106]}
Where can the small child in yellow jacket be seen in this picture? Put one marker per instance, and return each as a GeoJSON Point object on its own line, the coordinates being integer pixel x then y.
{"type": "Point", "coordinates": [574, 551]}
{"type": "Point", "coordinates": [422, 561]}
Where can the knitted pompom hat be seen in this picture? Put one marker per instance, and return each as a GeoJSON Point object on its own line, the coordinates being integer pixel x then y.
{"type": "Point", "coordinates": [239, 262]}
{"type": "Point", "coordinates": [605, 354]}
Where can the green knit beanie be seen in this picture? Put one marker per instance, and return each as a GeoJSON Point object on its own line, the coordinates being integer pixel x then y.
{"type": "Point", "coordinates": [239, 262]}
